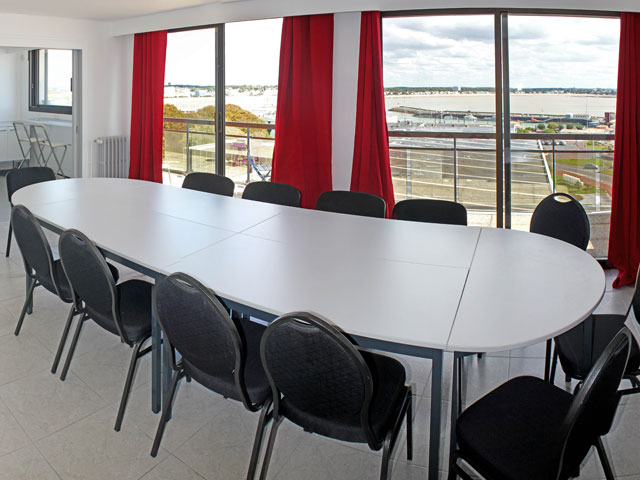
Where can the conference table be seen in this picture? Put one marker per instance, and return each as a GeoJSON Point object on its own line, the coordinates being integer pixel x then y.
{"type": "Point", "coordinates": [404, 287]}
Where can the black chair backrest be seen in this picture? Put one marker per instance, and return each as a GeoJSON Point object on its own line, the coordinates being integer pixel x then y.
{"type": "Point", "coordinates": [352, 203]}
{"type": "Point", "coordinates": [317, 369]}
{"type": "Point", "coordinates": [22, 177]}
{"type": "Point", "coordinates": [430, 211]}
{"type": "Point", "coordinates": [198, 326]}
{"type": "Point", "coordinates": [272, 192]}
{"type": "Point", "coordinates": [34, 247]}
{"type": "Point", "coordinates": [209, 183]}
{"type": "Point", "coordinates": [563, 217]}
{"type": "Point", "coordinates": [594, 405]}
{"type": "Point", "coordinates": [89, 276]}
{"type": "Point", "coordinates": [635, 301]}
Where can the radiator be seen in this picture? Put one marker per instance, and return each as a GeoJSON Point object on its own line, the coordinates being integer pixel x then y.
{"type": "Point", "coordinates": [113, 156]}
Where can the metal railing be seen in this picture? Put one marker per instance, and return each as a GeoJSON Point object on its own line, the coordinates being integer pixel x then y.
{"type": "Point", "coordinates": [190, 132]}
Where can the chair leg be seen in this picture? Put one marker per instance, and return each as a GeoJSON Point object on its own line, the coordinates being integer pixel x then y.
{"type": "Point", "coordinates": [606, 466]}
{"type": "Point", "coordinates": [265, 417]}
{"type": "Point", "coordinates": [135, 355]}
{"type": "Point", "coordinates": [72, 348]}
{"type": "Point", "coordinates": [386, 456]}
{"type": "Point", "coordinates": [27, 301]}
{"type": "Point", "coordinates": [63, 339]}
{"type": "Point", "coordinates": [554, 366]}
{"type": "Point", "coordinates": [547, 362]}
{"type": "Point", "coordinates": [410, 427]}
{"type": "Point", "coordinates": [272, 440]}
{"type": "Point", "coordinates": [6, 254]}
{"type": "Point", "coordinates": [460, 398]}
{"type": "Point", "coordinates": [166, 411]}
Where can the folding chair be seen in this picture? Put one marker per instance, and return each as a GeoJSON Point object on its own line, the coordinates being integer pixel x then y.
{"type": "Point", "coordinates": [44, 145]}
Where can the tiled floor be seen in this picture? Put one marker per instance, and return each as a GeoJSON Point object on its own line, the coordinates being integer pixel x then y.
{"type": "Point", "coordinates": [64, 430]}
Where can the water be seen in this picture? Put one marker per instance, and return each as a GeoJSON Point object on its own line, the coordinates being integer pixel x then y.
{"type": "Point", "coordinates": [549, 104]}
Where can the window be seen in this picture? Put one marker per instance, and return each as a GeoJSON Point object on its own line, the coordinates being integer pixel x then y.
{"type": "Point", "coordinates": [50, 74]}
{"type": "Point", "coordinates": [497, 110]}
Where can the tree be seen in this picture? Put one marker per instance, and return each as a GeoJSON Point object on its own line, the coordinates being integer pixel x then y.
{"type": "Point", "coordinates": [540, 126]}
{"type": "Point", "coordinates": [554, 126]}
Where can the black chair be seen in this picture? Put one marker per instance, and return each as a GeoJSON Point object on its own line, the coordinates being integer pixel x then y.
{"type": "Point", "coordinates": [41, 269]}
{"type": "Point", "coordinates": [560, 216]}
{"type": "Point", "coordinates": [570, 346]}
{"type": "Point", "coordinates": [430, 211]}
{"type": "Point", "coordinates": [529, 429]}
{"type": "Point", "coordinates": [352, 203]}
{"type": "Point", "coordinates": [123, 309]}
{"type": "Point", "coordinates": [218, 352]}
{"type": "Point", "coordinates": [325, 384]}
{"type": "Point", "coordinates": [272, 192]}
{"type": "Point", "coordinates": [209, 183]}
{"type": "Point", "coordinates": [22, 177]}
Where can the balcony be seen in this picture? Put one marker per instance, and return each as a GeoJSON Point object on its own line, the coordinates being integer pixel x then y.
{"type": "Point", "coordinates": [458, 166]}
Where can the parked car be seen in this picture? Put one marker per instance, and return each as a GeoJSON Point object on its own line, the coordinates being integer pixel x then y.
{"type": "Point", "coordinates": [546, 142]}
{"type": "Point", "coordinates": [591, 166]}
{"type": "Point", "coordinates": [562, 142]}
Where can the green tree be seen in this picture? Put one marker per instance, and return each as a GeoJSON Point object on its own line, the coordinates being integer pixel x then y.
{"type": "Point", "coordinates": [540, 126]}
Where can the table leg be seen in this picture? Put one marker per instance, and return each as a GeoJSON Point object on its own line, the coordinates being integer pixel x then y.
{"type": "Point", "coordinates": [436, 415]}
{"type": "Point", "coordinates": [156, 363]}
{"type": "Point", "coordinates": [456, 399]}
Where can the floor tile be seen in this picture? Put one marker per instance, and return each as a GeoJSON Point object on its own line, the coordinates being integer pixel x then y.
{"type": "Point", "coordinates": [12, 435]}
{"type": "Point", "coordinates": [105, 369]}
{"type": "Point", "coordinates": [91, 449]}
{"type": "Point", "coordinates": [21, 356]}
{"type": "Point", "coordinates": [171, 469]}
{"type": "Point", "coordinates": [43, 404]}
{"type": "Point", "coordinates": [26, 464]}
{"type": "Point", "coordinates": [193, 407]}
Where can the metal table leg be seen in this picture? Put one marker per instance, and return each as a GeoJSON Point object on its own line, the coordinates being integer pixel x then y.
{"type": "Point", "coordinates": [436, 415]}
{"type": "Point", "coordinates": [156, 363]}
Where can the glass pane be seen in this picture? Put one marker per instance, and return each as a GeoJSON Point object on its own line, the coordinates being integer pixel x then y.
{"type": "Point", "coordinates": [189, 104]}
{"type": "Point", "coordinates": [563, 104]}
{"type": "Point", "coordinates": [55, 69]}
{"type": "Point", "coordinates": [439, 93]}
{"type": "Point", "coordinates": [251, 98]}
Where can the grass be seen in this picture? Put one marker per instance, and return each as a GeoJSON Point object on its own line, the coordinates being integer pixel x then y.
{"type": "Point", "coordinates": [591, 145]}
{"type": "Point", "coordinates": [575, 189]}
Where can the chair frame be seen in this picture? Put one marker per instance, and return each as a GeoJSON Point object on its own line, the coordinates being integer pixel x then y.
{"type": "Point", "coordinates": [34, 282]}
{"type": "Point", "coordinates": [632, 377]}
{"type": "Point", "coordinates": [137, 353]}
{"type": "Point", "coordinates": [43, 141]}
{"type": "Point", "coordinates": [344, 341]}
{"type": "Point", "coordinates": [8, 249]}
{"type": "Point", "coordinates": [576, 408]}
{"type": "Point", "coordinates": [240, 357]}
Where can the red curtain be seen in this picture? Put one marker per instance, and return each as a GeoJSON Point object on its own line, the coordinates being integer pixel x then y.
{"type": "Point", "coordinates": [371, 172]}
{"type": "Point", "coordinates": [147, 104]}
{"type": "Point", "coordinates": [302, 152]}
{"type": "Point", "coordinates": [624, 238]}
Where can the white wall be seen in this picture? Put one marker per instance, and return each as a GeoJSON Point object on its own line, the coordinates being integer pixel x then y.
{"type": "Point", "coordinates": [9, 85]}
{"type": "Point", "coordinates": [260, 9]}
{"type": "Point", "coordinates": [104, 68]}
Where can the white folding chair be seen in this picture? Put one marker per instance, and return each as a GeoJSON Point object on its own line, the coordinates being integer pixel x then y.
{"type": "Point", "coordinates": [25, 141]}
{"type": "Point", "coordinates": [45, 146]}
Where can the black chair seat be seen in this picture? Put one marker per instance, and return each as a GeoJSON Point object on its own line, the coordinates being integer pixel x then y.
{"type": "Point", "coordinates": [508, 433]}
{"type": "Point", "coordinates": [389, 379]}
{"type": "Point", "coordinates": [605, 328]}
{"type": "Point", "coordinates": [135, 310]}
{"type": "Point", "coordinates": [255, 379]}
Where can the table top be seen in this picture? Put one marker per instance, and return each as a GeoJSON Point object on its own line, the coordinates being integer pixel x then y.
{"type": "Point", "coordinates": [445, 287]}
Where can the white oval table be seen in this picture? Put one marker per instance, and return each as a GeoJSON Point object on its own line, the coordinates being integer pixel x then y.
{"type": "Point", "coordinates": [412, 288]}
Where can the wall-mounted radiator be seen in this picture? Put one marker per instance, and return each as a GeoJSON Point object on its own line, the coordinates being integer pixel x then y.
{"type": "Point", "coordinates": [113, 156]}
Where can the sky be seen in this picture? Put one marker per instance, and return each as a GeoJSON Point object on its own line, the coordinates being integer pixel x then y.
{"type": "Point", "coordinates": [424, 51]}
{"type": "Point", "coordinates": [252, 53]}
{"type": "Point", "coordinates": [543, 51]}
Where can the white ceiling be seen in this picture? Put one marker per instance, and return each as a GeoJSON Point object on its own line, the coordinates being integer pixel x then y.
{"type": "Point", "coordinates": [99, 9]}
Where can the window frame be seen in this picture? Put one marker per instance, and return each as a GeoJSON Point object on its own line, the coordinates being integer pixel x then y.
{"type": "Point", "coordinates": [34, 87]}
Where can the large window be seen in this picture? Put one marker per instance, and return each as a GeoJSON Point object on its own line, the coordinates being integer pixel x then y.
{"type": "Point", "coordinates": [50, 73]}
{"type": "Point", "coordinates": [499, 138]}
{"type": "Point", "coordinates": [233, 67]}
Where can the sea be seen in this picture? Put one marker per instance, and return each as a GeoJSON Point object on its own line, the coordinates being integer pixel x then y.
{"type": "Point", "coordinates": [521, 103]}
